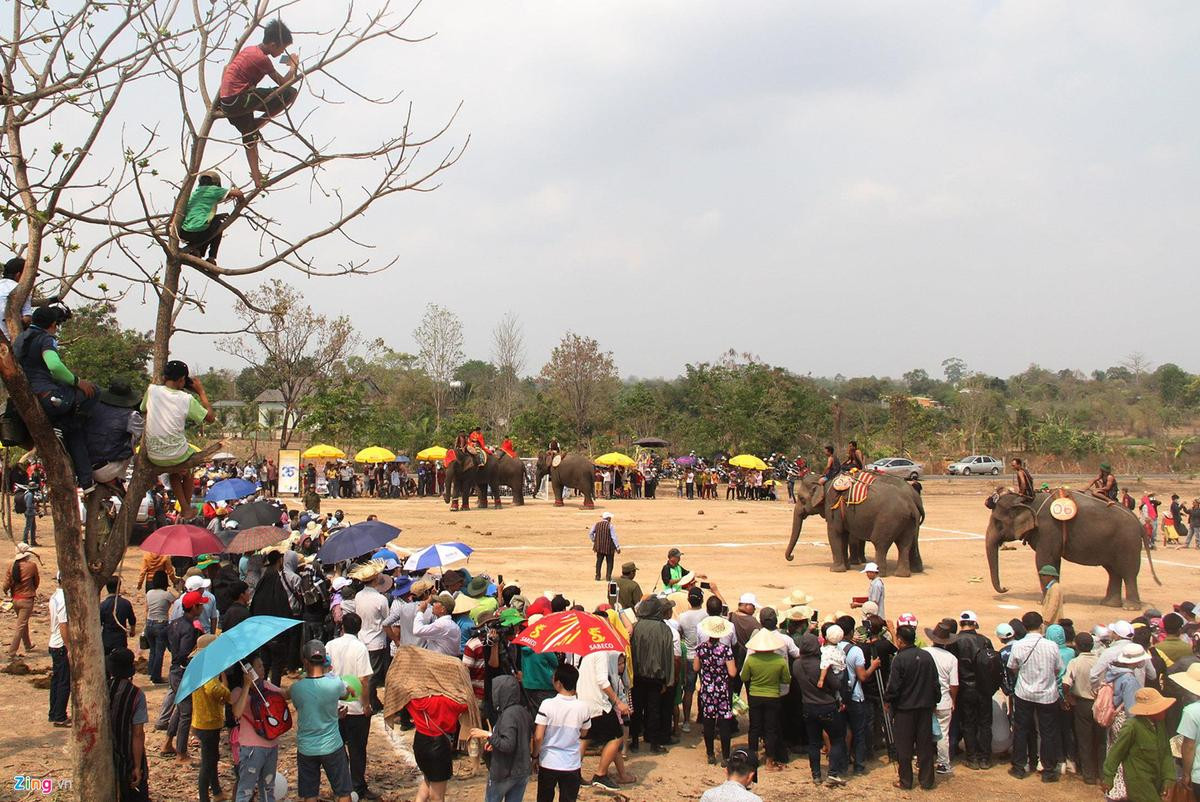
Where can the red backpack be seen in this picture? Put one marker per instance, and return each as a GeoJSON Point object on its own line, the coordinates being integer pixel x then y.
{"type": "Point", "coordinates": [268, 713]}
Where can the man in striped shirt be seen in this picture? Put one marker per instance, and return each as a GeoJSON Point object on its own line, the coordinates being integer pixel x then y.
{"type": "Point", "coordinates": [1038, 665]}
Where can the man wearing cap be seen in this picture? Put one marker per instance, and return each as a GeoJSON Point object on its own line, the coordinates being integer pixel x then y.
{"type": "Point", "coordinates": [1052, 595]}
{"type": "Point", "coordinates": [66, 399]}
{"type": "Point", "coordinates": [605, 545]}
{"type": "Point", "coordinates": [435, 628]}
{"type": "Point", "coordinates": [1188, 610]}
{"type": "Point", "coordinates": [653, 661]}
{"type": "Point", "coordinates": [1038, 664]}
{"type": "Point", "coordinates": [974, 691]}
{"type": "Point", "coordinates": [113, 430]}
{"type": "Point", "coordinates": [1104, 486]}
{"type": "Point", "coordinates": [672, 571]}
{"type": "Point", "coordinates": [182, 635]}
{"type": "Point", "coordinates": [195, 581]}
{"type": "Point", "coordinates": [169, 406]}
{"type": "Point", "coordinates": [319, 745]}
{"type": "Point", "coordinates": [947, 668]}
{"type": "Point", "coordinates": [874, 590]}
{"type": "Point", "coordinates": [629, 592]}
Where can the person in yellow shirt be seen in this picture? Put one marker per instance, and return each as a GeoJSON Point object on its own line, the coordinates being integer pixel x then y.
{"type": "Point", "coordinates": [208, 717]}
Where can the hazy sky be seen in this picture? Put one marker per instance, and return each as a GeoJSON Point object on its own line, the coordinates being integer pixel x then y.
{"type": "Point", "coordinates": [1004, 182]}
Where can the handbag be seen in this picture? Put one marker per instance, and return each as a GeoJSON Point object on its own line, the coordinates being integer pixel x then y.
{"type": "Point", "coordinates": [143, 642]}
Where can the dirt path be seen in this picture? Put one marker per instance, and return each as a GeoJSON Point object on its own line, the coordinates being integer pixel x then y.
{"type": "Point", "coordinates": [738, 544]}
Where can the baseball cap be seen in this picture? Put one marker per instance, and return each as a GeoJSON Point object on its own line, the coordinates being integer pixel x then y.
{"type": "Point", "coordinates": [748, 598]}
{"type": "Point", "coordinates": [906, 620]}
{"type": "Point", "coordinates": [175, 370]}
{"type": "Point", "coordinates": [205, 560]}
{"type": "Point", "coordinates": [606, 515]}
{"type": "Point", "coordinates": [314, 651]}
{"type": "Point", "coordinates": [695, 595]}
{"type": "Point", "coordinates": [968, 616]}
{"type": "Point", "coordinates": [192, 598]}
{"type": "Point", "coordinates": [1004, 631]}
{"type": "Point", "coordinates": [1122, 629]}
{"type": "Point", "coordinates": [870, 608]}
{"type": "Point", "coordinates": [870, 568]}
{"type": "Point", "coordinates": [196, 583]}
{"type": "Point", "coordinates": [674, 553]}
{"type": "Point", "coordinates": [339, 582]}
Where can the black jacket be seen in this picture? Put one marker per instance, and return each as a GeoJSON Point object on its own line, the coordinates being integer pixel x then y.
{"type": "Point", "coordinates": [913, 683]}
{"type": "Point", "coordinates": [807, 671]}
{"type": "Point", "coordinates": [236, 614]}
{"type": "Point", "coordinates": [965, 647]}
{"type": "Point", "coordinates": [181, 640]}
{"type": "Point", "coordinates": [510, 735]}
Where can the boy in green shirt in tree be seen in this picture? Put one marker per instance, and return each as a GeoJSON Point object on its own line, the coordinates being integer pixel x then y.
{"type": "Point", "coordinates": [201, 227]}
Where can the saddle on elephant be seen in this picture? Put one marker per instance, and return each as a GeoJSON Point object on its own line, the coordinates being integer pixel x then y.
{"type": "Point", "coordinates": [853, 488]}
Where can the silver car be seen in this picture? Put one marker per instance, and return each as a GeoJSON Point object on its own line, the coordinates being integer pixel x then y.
{"type": "Point", "coordinates": [976, 464]}
{"type": "Point", "coordinates": [897, 466]}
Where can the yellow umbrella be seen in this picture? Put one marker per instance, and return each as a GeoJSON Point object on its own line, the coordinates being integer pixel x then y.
{"type": "Point", "coordinates": [432, 453]}
{"type": "Point", "coordinates": [374, 454]}
{"type": "Point", "coordinates": [748, 461]}
{"type": "Point", "coordinates": [322, 451]}
{"type": "Point", "coordinates": [615, 458]}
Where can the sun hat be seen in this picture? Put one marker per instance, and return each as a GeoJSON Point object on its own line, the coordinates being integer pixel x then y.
{"type": "Point", "coordinates": [421, 585]}
{"type": "Point", "coordinates": [484, 608]}
{"type": "Point", "coordinates": [119, 394]}
{"type": "Point", "coordinates": [510, 617]}
{"type": "Point", "coordinates": [313, 529]}
{"type": "Point", "coordinates": [23, 551]}
{"type": "Point", "coordinates": [477, 587]}
{"type": "Point", "coordinates": [870, 568]}
{"type": "Point", "coordinates": [834, 634]}
{"type": "Point", "coordinates": [797, 598]}
{"type": "Point", "coordinates": [463, 603]}
{"type": "Point", "coordinates": [518, 603]}
{"type": "Point", "coordinates": [715, 627]}
{"type": "Point", "coordinates": [1048, 570]}
{"type": "Point", "coordinates": [367, 571]}
{"type": "Point", "coordinates": [1104, 466]}
{"type": "Point", "coordinates": [1148, 701]}
{"type": "Point", "coordinates": [798, 613]}
{"type": "Point", "coordinates": [870, 608]}
{"type": "Point", "coordinates": [1188, 680]}
{"type": "Point", "coordinates": [1121, 629]}
{"type": "Point", "coordinates": [748, 598]}
{"type": "Point", "coordinates": [606, 515]}
{"type": "Point", "coordinates": [1187, 608]}
{"type": "Point", "coordinates": [764, 640]}
{"type": "Point", "coordinates": [206, 560]}
{"type": "Point", "coordinates": [906, 620]}
{"type": "Point", "coordinates": [203, 641]}
{"type": "Point", "coordinates": [1132, 655]}
{"type": "Point", "coordinates": [196, 583]}
{"type": "Point", "coordinates": [939, 634]}
{"type": "Point", "coordinates": [339, 582]}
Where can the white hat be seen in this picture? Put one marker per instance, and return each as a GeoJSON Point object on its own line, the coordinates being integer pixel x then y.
{"type": "Point", "coordinates": [1132, 655]}
{"type": "Point", "coordinates": [196, 583]}
{"type": "Point", "coordinates": [340, 582]}
{"type": "Point", "coordinates": [968, 616]}
{"type": "Point", "coordinates": [870, 568]}
{"type": "Point", "coordinates": [748, 598]}
{"type": "Point", "coordinates": [23, 551]}
{"type": "Point", "coordinates": [606, 515]}
{"type": "Point", "coordinates": [1122, 629]}
{"type": "Point", "coordinates": [870, 608]}
{"type": "Point", "coordinates": [834, 634]}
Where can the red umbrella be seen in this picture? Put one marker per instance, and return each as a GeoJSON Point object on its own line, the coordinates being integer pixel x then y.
{"type": "Point", "coordinates": [255, 538]}
{"type": "Point", "coordinates": [573, 632]}
{"type": "Point", "coordinates": [183, 540]}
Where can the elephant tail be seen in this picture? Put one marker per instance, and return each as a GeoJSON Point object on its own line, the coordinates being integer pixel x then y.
{"type": "Point", "coordinates": [1150, 557]}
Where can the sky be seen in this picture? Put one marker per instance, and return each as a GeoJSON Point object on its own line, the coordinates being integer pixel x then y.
{"type": "Point", "coordinates": [851, 187]}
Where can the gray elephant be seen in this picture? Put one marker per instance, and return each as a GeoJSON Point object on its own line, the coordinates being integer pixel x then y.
{"type": "Point", "coordinates": [462, 478]}
{"type": "Point", "coordinates": [891, 514]}
{"type": "Point", "coordinates": [501, 469]}
{"type": "Point", "coordinates": [574, 471]}
{"type": "Point", "coordinates": [1101, 534]}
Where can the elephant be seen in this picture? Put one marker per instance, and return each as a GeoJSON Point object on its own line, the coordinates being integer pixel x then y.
{"type": "Point", "coordinates": [500, 469]}
{"type": "Point", "coordinates": [1101, 534]}
{"type": "Point", "coordinates": [891, 514]}
{"type": "Point", "coordinates": [462, 477]}
{"type": "Point", "coordinates": [574, 470]}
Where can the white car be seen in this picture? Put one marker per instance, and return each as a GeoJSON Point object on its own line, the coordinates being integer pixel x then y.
{"type": "Point", "coordinates": [976, 464]}
{"type": "Point", "coordinates": [897, 466]}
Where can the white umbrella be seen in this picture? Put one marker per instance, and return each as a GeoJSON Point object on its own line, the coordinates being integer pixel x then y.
{"type": "Point", "coordinates": [437, 555]}
{"type": "Point", "coordinates": [220, 455]}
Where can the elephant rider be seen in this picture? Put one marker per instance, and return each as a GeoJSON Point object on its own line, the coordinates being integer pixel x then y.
{"type": "Point", "coordinates": [854, 458]}
{"type": "Point", "coordinates": [1024, 487]}
{"type": "Point", "coordinates": [508, 448]}
{"type": "Point", "coordinates": [476, 446]}
{"type": "Point", "coordinates": [1104, 486]}
{"type": "Point", "coordinates": [831, 465]}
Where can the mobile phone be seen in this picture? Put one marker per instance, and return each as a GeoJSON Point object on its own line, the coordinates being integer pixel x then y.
{"type": "Point", "coordinates": [816, 616]}
{"type": "Point", "coordinates": [437, 584]}
{"type": "Point", "coordinates": [724, 609]}
{"type": "Point", "coordinates": [499, 579]}
{"type": "Point", "coordinates": [705, 586]}
{"type": "Point", "coordinates": [612, 588]}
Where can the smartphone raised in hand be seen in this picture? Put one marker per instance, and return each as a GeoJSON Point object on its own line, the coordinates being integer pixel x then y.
{"type": "Point", "coordinates": [612, 589]}
{"type": "Point", "coordinates": [705, 586]}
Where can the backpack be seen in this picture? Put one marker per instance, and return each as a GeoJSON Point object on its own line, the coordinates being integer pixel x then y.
{"type": "Point", "coordinates": [989, 669]}
{"type": "Point", "coordinates": [19, 503]}
{"type": "Point", "coordinates": [270, 718]}
{"type": "Point", "coordinates": [312, 594]}
{"type": "Point", "coordinates": [1104, 711]}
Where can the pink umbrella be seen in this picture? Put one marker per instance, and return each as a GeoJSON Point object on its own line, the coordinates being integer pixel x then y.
{"type": "Point", "coordinates": [182, 540]}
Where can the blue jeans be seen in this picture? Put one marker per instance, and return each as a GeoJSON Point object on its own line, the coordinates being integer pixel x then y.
{"type": "Point", "coordinates": [858, 717]}
{"type": "Point", "coordinates": [1193, 532]}
{"type": "Point", "coordinates": [68, 408]}
{"type": "Point", "coordinates": [180, 724]}
{"type": "Point", "coordinates": [827, 719]}
{"type": "Point", "coordinates": [156, 633]}
{"type": "Point", "coordinates": [60, 684]}
{"type": "Point", "coordinates": [30, 535]}
{"type": "Point", "coordinates": [256, 769]}
{"type": "Point", "coordinates": [510, 790]}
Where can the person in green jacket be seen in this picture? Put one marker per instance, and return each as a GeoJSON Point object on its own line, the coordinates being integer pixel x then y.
{"type": "Point", "coordinates": [201, 228]}
{"type": "Point", "coordinates": [763, 672]}
{"type": "Point", "coordinates": [1143, 750]}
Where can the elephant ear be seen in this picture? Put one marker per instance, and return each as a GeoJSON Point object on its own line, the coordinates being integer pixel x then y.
{"type": "Point", "coordinates": [1024, 520]}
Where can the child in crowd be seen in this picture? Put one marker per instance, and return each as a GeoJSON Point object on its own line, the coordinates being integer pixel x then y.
{"type": "Point", "coordinates": [832, 656]}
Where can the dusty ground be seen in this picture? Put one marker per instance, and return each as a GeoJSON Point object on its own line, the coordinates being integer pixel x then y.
{"type": "Point", "coordinates": [738, 544]}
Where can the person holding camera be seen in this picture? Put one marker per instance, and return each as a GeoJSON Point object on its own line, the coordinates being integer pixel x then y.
{"type": "Point", "coordinates": [169, 406]}
{"type": "Point", "coordinates": [66, 399]}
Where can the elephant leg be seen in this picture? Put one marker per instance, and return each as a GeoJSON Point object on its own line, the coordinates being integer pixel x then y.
{"type": "Point", "coordinates": [1112, 595]}
{"type": "Point", "coordinates": [1132, 598]}
{"type": "Point", "coordinates": [858, 552]}
{"type": "Point", "coordinates": [837, 545]}
{"type": "Point", "coordinates": [557, 489]}
{"type": "Point", "coordinates": [519, 495]}
{"type": "Point", "coordinates": [588, 501]}
{"type": "Point", "coordinates": [915, 563]}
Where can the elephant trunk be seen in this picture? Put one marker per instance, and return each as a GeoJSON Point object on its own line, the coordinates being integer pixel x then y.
{"type": "Point", "coordinates": [797, 524]}
{"type": "Point", "coordinates": [994, 538]}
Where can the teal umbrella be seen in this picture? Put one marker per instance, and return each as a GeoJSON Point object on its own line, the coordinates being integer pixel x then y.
{"type": "Point", "coordinates": [230, 647]}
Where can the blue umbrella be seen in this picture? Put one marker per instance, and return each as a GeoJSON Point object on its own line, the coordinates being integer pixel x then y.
{"type": "Point", "coordinates": [437, 555]}
{"type": "Point", "coordinates": [229, 647]}
{"type": "Point", "coordinates": [355, 541]}
{"type": "Point", "coordinates": [229, 489]}
{"type": "Point", "coordinates": [402, 458]}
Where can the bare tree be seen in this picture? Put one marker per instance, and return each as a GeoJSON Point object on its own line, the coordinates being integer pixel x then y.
{"type": "Point", "coordinates": [440, 340]}
{"type": "Point", "coordinates": [583, 378]}
{"type": "Point", "coordinates": [291, 345]}
{"type": "Point", "coordinates": [1138, 364]}
{"type": "Point", "coordinates": [83, 189]}
{"type": "Point", "coordinates": [508, 356]}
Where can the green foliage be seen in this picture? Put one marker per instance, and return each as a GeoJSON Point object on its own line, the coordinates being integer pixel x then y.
{"type": "Point", "coordinates": [95, 347]}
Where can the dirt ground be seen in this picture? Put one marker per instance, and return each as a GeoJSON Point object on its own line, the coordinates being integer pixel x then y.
{"type": "Point", "coordinates": [738, 544]}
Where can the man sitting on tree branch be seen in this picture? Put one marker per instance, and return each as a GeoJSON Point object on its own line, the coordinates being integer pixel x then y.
{"type": "Point", "coordinates": [242, 98]}
{"type": "Point", "coordinates": [169, 406]}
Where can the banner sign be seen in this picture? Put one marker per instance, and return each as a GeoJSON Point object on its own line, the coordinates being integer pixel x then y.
{"type": "Point", "coordinates": [289, 472]}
